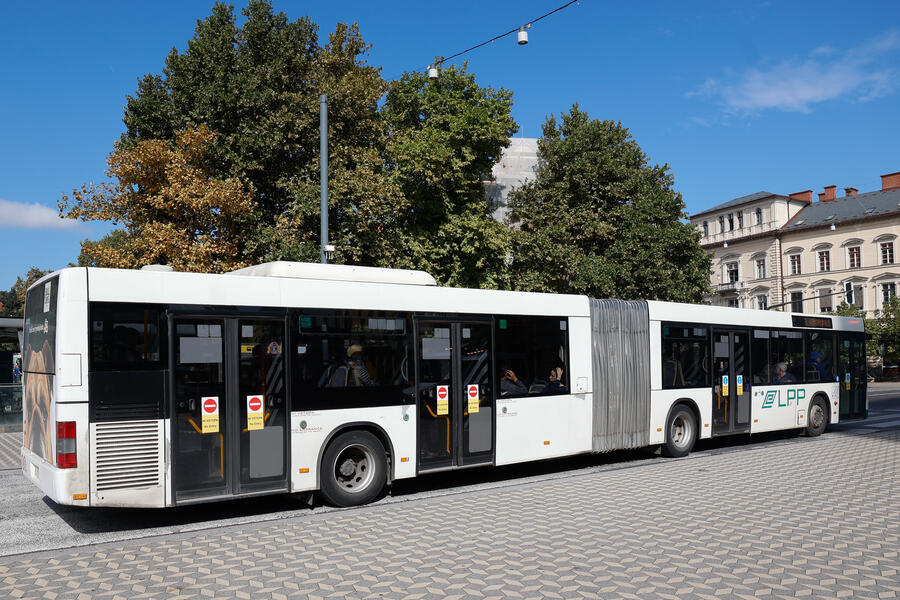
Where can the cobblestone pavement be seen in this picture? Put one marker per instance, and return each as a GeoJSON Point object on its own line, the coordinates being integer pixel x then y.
{"type": "Point", "coordinates": [10, 445]}
{"type": "Point", "coordinates": [809, 518]}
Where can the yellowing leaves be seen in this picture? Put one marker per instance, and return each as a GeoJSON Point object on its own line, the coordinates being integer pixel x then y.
{"type": "Point", "coordinates": [171, 205]}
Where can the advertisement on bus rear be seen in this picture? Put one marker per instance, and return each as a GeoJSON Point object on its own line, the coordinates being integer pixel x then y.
{"type": "Point", "coordinates": [39, 362]}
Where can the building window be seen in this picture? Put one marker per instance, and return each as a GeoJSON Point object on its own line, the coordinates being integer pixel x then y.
{"type": "Point", "coordinates": [888, 291]}
{"type": "Point", "coordinates": [760, 268]}
{"type": "Point", "coordinates": [887, 253]}
{"type": "Point", "coordinates": [731, 272]}
{"type": "Point", "coordinates": [824, 300]}
{"type": "Point", "coordinates": [795, 264]}
{"type": "Point", "coordinates": [740, 216]}
{"type": "Point", "coordinates": [705, 228]}
{"type": "Point", "coordinates": [796, 301]}
{"type": "Point", "coordinates": [733, 303]}
{"type": "Point", "coordinates": [824, 260]}
{"type": "Point", "coordinates": [854, 257]}
{"type": "Point", "coordinates": [762, 302]}
{"type": "Point", "coordinates": [721, 224]}
{"type": "Point", "coordinates": [730, 221]}
{"type": "Point", "coordinates": [853, 294]}
{"type": "Point", "coordinates": [759, 216]}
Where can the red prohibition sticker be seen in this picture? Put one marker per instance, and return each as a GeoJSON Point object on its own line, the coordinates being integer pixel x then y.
{"type": "Point", "coordinates": [210, 405]}
{"type": "Point", "coordinates": [254, 403]}
{"type": "Point", "coordinates": [442, 391]}
{"type": "Point", "coordinates": [473, 390]}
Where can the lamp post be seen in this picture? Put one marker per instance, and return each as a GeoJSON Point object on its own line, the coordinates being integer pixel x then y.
{"type": "Point", "coordinates": [323, 180]}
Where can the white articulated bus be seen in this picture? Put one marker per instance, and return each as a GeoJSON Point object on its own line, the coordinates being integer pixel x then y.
{"type": "Point", "coordinates": [153, 388]}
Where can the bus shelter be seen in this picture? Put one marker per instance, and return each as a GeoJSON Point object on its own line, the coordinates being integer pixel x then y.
{"type": "Point", "coordinates": [11, 332]}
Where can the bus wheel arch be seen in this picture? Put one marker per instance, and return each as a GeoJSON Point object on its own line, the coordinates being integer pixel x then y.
{"type": "Point", "coordinates": [817, 415]}
{"type": "Point", "coordinates": [682, 428]}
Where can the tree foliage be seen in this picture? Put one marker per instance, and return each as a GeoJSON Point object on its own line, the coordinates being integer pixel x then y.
{"type": "Point", "coordinates": [885, 330]}
{"type": "Point", "coordinates": [256, 88]}
{"type": "Point", "coordinates": [171, 205]}
{"type": "Point", "coordinates": [446, 135]}
{"type": "Point", "coordinates": [599, 220]}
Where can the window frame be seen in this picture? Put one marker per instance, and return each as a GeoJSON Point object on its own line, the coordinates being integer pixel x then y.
{"type": "Point", "coordinates": [795, 264]}
{"type": "Point", "coordinates": [850, 257]}
{"type": "Point", "coordinates": [497, 350]}
{"type": "Point", "coordinates": [707, 355]}
{"type": "Point", "coordinates": [823, 259]}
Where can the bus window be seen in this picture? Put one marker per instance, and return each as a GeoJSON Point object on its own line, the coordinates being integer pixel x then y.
{"type": "Point", "coordinates": [533, 351]}
{"type": "Point", "coordinates": [819, 357]}
{"type": "Point", "coordinates": [684, 360]}
{"type": "Point", "coordinates": [125, 337]}
{"type": "Point", "coordinates": [347, 359]}
{"type": "Point", "coordinates": [786, 357]}
{"type": "Point", "coordinates": [759, 357]}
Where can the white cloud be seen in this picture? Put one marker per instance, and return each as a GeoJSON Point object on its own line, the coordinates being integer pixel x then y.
{"type": "Point", "coordinates": [32, 216]}
{"type": "Point", "coordinates": [860, 74]}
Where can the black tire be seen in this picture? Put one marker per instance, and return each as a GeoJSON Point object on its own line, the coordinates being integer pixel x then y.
{"type": "Point", "coordinates": [681, 432]}
{"type": "Point", "coordinates": [816, 418]}
{"type": "Point", "coordinates": [354, 469]}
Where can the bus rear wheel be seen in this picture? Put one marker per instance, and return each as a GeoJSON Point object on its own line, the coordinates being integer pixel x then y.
{"type": "Point", "coordinates": [354, 469]}
{"type": "Point", "coordinates": [816, 418]}
{"type": "Point", "coordinates": [681, 432]}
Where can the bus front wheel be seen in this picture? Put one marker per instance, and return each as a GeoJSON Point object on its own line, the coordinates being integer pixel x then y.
{"type": "Point", "coordinates": [354, 469]}
{"type": "Point", "coordinates": [681, 432]}
{"type": "Point", "coordinates": [816, 418]}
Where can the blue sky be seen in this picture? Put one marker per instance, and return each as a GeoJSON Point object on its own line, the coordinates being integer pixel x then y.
{"type": "Point", "coordinates": [736, 97]}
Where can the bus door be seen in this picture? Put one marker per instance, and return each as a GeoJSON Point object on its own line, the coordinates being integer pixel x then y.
{"type": "Point", "coordinates": [229, 417]}
{"type": "Point", "coordinates": [455, 394]}
{"type": "Point", "coordinates": [852, 375]}
{"type": "Point", "coordinates": [731, 382]}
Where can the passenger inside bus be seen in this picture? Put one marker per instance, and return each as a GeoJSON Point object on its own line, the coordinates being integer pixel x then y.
{"type": "Point", "coordinates": [781, 374]}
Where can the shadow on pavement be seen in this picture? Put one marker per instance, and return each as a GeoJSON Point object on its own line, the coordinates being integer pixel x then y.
{"type": "Point", "coordinates": [101, 520]}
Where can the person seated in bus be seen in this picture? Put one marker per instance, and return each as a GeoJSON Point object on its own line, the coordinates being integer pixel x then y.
{"type": "Point", "coordinates": [556, 385]}
{"type": "Point", "coordinates": [510, 384]}
{"type": "Point", "coordinates": [782, 375]}
{"type": "Point", "coordinates": [358, 374]}
{"type": "Point", "coordinates": [815, 370]}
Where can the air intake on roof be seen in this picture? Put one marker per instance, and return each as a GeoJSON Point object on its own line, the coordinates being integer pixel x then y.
{"type": "Point", "coordinates": [298, 270]}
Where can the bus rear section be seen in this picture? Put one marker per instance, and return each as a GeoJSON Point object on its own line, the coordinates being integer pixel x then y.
{"type": "Point", "coordinates": [54, 404]}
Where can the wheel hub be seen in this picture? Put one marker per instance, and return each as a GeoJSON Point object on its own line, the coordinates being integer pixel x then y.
{"type": "Point", "coordinates": [348, 468]}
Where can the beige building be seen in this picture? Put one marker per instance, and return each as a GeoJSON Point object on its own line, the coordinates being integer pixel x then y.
{"type": "Point", "coordinates": [809, 256]}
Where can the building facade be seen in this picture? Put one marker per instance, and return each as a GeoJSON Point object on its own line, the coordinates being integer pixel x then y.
{"type": "Point", "coordinates": [802, 255]}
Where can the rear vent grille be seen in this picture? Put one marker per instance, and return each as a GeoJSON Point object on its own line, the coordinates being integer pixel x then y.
{"type": "Point", "coordinates": [127, 455]}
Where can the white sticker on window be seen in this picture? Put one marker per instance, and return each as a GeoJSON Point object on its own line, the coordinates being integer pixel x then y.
{"type": "Point", "coordinates": [202, 330]}
{"type": "Point", "coordinates": [48, 290]}
{"type": "Point", "coordinates": [246, 331]}
{"type": "Point", "coordinates": [215, 331]}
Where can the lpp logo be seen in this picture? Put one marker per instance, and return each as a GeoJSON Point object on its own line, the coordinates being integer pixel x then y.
{"type": "Point", "coordinates": [792, 396]}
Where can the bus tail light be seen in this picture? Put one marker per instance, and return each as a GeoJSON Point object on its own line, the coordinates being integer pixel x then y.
{"type": "Point", "coordinates": [66, 456]}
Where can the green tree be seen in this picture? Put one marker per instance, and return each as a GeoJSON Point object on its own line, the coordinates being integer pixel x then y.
{"type": "Point", "coordinates": [256, 88]}
{"type": "Point", "coordinates": [600, 220]}
{"type": "Point", "coordinates": [885, 330]}
{"type": "Point", "coordinates": [446, 135]}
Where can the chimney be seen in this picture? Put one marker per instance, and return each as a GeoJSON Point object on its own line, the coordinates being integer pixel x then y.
{"type": "Point", "coordinates": [828, 194]}
{"type": "Point", "coordinates": [891, 181]}
{"type": "Point", "coordinates": [850, 191]}
{"type": "Point", "coordinates": [804, 196]}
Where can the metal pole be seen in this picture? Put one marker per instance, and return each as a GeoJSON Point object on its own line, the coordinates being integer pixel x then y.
{"type": "Point", "coordinates": [323, 175]}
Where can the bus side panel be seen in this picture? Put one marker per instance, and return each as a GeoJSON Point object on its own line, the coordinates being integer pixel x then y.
{"type": "Point", "coordinates": [72, 337]}
{"type": "Point", "coordinates": [661, 403]}
{"type": "Point", "coordinates": [580, 356]}
{"type": "Point", "coordinates": [311, 429]}
{"type": "Point", "coordinates": [536, 427]}
{"type": "Point", "coordinates": [776, 407]}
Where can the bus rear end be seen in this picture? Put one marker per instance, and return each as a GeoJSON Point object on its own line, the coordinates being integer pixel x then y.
{"type": "Point", "coordinates": [55, 402]}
